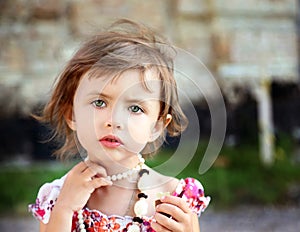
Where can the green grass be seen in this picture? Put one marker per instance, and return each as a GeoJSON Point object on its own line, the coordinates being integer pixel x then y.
{"type": "Point", "coordinates": [236, 177]}
{"type": "Point", "coordinates": [239, 177]}
{"type": "Point", "coordinates": [20, 185]}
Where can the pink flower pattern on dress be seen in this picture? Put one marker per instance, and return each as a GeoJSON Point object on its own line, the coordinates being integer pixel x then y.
{"type": "Point", "coordinates": [188, 189]}
{"type": "Point", "coordinates": [192, 191]}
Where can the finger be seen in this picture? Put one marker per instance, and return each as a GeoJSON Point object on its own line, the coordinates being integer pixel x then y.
{"type": "Point", "coordinates": [80, 167]}
{"type": "Point", "coordinates": [157, 227]}
{"type": "Point", "coordinates": [177, 201]}
{"type": "Point", "coordinates": [99, 182]}
{"type": "Point", "coordinates": [94, 170]}
{"type": "Point", "coordinates": [89, 173]}
{"type": "Point", "coordinates": [95, 183]}
{"type": "Point", "coordinates": [164, 223]}
{"type": "Point", "coordinates": [100, 171]}
{"type": "Point", "coordinates": [177, 213]}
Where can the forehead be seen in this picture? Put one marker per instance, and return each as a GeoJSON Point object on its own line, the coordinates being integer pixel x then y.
{"type": "Point", "coordinates": [132, 81]}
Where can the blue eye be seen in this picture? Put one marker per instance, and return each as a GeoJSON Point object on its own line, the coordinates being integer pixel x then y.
{"type": "Point", "coordinates": [136, 109]}
{"type": "Point", "coordinates": [99, 103]}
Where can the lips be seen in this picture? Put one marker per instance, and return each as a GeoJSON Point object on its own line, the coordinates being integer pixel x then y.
{"type": "Point", "coordinates": [110, 141]}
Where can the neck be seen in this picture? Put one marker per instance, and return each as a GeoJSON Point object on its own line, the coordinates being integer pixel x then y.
{"type": "Point", "coordinates": [115, 166]}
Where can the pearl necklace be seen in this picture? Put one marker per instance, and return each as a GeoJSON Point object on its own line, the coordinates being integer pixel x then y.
{"type": "Point", "coordinates": [80, 221]}
{"type": "Point", "coordinates": [140, 207]}
{"type": "Point", "coordinates": [117, 177]}
{"type": "Point", "coordinates": [129, 172]}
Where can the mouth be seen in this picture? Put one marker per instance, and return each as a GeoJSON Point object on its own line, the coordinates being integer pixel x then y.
{"type": "Point", "coordinates": [110, 141]}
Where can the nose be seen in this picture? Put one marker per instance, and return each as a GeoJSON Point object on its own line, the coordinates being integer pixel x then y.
{"type": "Point", "coordinates": [114, 119]}
{"type": "Point", "coordinates": [113, 125]}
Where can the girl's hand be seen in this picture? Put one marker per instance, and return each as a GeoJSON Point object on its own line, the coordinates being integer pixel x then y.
{"type": "Point", "coordinates": [182, 218]}
{"type": "Point", "coordinates": [79, 184]}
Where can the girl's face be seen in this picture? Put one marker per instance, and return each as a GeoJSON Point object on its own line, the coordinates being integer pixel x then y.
{"type": "Point", "coordinates": [116, 119]}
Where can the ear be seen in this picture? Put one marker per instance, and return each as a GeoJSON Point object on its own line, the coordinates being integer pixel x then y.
{"type": "Point", "coordinates": [70, 120]}
{"type": "Point", "coordinates": [159, 127]}
{"type": "Point", "coordinates": [168, 120]}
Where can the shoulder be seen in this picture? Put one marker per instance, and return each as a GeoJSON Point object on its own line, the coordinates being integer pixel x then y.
{"type": "Point", "coordinates": [160, 182]}
{"type": "Point", "coordinates": [46, 198]}
{"type": "Point", "coordinates": [189, 187]}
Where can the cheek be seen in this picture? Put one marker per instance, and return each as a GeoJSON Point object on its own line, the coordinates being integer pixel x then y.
{"type": "Point", "coordinates": [139, 131]}
{"type": "Point", "coordinates": [88, 121]}
{"type": "Point", "coordinates": [86, 128]}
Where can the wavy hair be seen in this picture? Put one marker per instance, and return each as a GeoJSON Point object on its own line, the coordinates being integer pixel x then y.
{"type": "Point", "coordinates": [124, 45]}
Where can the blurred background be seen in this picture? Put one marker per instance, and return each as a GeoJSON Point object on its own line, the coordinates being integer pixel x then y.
{"type": "Point", "coordinates": [251, 49]}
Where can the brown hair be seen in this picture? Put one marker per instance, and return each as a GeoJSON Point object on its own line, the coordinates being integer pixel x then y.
{"type": "Point", "coordinates": [125, 45]}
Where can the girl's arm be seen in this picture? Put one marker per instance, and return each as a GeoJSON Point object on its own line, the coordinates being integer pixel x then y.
{"type": "Point", "coordinates": [79, 184]}
{"type": "Point", "coordinates": [61, 220]}
{"type": "Point", "coordinates": [42, 227]}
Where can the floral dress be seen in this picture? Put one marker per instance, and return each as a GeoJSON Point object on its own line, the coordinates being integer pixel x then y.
{"type": "Point", "coordinates": [95, 221]}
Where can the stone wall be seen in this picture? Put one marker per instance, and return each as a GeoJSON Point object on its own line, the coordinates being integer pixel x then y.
{"type": "Point", "coordinates": [228, 45]}
{"type": "Point", "coordinates": [38, 36]}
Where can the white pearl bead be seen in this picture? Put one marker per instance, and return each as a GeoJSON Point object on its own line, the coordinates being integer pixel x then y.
{"type": "Point", "coordinates": [134, 228]}
{"type": "Point", "coordinates": [80, 221]}
{"type": "Point", "coordinates": [113, 177]}
{"type": "Point", "coordinates": [141, 207]}
{"type": "Point", "coordinates": [119, 176]}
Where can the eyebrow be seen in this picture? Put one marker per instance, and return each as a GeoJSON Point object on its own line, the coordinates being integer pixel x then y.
{"type": "Point", "coordinates": [140, 99]}
{"type": "Point", "coordinates": [99, 95]}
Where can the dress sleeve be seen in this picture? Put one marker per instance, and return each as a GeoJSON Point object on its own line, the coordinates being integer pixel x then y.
{"type": "Point", "coordinates": [46, 199]}
{"type": "Point", "coordinates": [192, 191]}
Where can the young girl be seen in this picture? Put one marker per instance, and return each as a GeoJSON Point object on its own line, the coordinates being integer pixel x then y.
{"type": "Point", "coordinates": [112, 103]}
